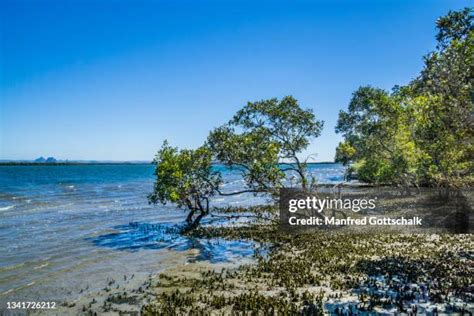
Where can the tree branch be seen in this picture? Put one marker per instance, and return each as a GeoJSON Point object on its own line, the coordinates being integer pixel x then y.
{"type": "Point", "coordinates": [239, 192]}
{"type": "Point", "coordinates": [247, 216]}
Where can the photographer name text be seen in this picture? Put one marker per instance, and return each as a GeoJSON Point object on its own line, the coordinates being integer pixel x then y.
{"type": "Point", "coordinates": [363, 221]}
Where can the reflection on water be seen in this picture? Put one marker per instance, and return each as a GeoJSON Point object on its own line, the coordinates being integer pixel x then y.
{"type": "Point", "coordinates": [66, 228]}
{"type": "Point", "coordinates": [136, 236]}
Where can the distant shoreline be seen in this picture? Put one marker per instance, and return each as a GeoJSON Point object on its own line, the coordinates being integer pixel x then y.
{"type": "Point", "coordinates": [15, 163]}
{"type": "Point", "coordinates": [76, 163]}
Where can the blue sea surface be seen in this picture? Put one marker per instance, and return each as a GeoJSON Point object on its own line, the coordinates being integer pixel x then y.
{"type": "Point", "coordinates": [67, 227]}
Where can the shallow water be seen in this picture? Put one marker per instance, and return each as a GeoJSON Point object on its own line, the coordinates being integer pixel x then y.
{"type": "Point", "coordinates": [64, 229]}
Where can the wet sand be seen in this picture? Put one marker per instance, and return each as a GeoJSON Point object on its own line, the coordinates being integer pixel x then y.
{"type": "Point", "coordinates": [121, 293]}
{"type": "Point", "coordinates": [127, 294]}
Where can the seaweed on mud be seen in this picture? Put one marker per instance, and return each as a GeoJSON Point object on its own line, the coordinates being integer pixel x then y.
{"type": "Point", "coordinates": [326, 267]}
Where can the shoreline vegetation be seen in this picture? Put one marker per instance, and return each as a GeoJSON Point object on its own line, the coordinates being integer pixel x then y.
{"type": "Point", "coordinates": [422, 133]}
{"type": "Point", "coordinates": [312, 272]}
{"type": "Point", "coordinates": [417, 136]}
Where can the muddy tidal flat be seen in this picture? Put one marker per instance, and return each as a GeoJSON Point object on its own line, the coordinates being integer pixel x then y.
{"type": "Point", "coordinates": [86, 238]}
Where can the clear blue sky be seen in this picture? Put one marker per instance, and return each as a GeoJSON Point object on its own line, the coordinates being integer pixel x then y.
{"type": "Point", "coordinates": [112, 79]}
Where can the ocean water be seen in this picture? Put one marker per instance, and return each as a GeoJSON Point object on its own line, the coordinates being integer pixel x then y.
{"type": "Point", "coordinates": [67, 229]}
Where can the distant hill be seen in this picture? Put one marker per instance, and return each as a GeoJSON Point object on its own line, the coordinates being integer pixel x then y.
{"type": "Point", "coordinates": [48, 160]}
{"type": "Point", "coordinates": [51, 161]}
{"type": "Point", "coordinates": [40, 159]}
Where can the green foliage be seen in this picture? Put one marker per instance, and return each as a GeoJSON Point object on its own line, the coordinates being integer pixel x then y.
{"type": "Point", "coordinates": [456, 25]}
{"type": "Point", "coordinates": [252, 152]}
{"type": "Point", "coordinates": [255, 141]}
{"type": "Point", "coordinates": [284, 121]}
{"type": "Point", "coordinates": [443, 107]}
{"type": "Point", "coordinates": [374, 138]}
{"type": "Point", "coordinates": [264, 134]}
{"type": "Point", "coordinates": [421, 133]}
{"type": "Point", "coordinates": [185, 177]}
{"type": "Point", "coordinates": [345, 153]}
